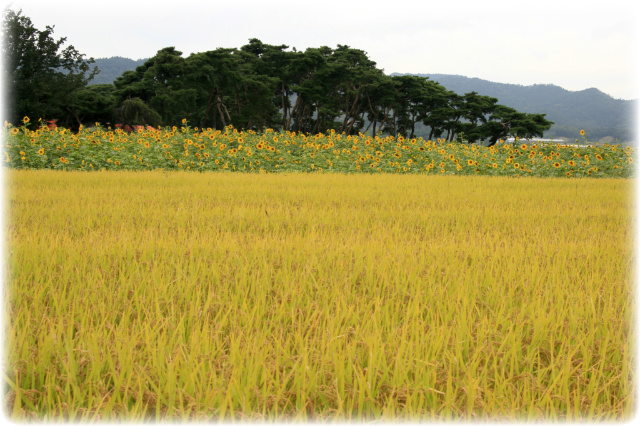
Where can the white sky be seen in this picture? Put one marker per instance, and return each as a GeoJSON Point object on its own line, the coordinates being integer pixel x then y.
{"type": "Point", "coordinates": [575, 45]}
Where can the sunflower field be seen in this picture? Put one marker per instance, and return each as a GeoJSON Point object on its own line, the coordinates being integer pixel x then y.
{"type": "Point", "coordinates": [194, 149]}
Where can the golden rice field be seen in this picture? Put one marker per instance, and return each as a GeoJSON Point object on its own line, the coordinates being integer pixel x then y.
{"type": "Point", "coordinates": [302, 296]}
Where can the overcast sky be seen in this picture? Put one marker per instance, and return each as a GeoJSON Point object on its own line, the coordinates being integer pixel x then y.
{"type": "Point", "coordinates": [575, 45]}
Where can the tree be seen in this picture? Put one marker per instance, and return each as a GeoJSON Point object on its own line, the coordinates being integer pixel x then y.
{"type": "Point", "coordinates": [215, 77]}
{"type": "Point", "coordinates": [507, 121]}
{"type": "Point", "coordinates": [380, 98]}
{"type": "Point", "coordinates": [134, 112]}
{"type": "Point", "coordinates": [94, 104]}
{"type": "Point", "coordinates": [477, 109]}
{"type": "Point", "coordinates": [417, 98]}
{"type": "Point", "coordinates": [41, 77]}
{"type": "Point", "coordinates": [160, 83]}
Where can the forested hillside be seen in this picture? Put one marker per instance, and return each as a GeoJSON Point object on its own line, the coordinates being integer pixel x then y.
{"type": "Point", "coordinates": [597, 113]}
{"type": "Point", "coordinates": [112, 68]}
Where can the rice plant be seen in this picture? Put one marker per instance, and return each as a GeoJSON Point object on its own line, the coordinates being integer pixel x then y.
{"type": "Point", "coordinates": [303, 296]}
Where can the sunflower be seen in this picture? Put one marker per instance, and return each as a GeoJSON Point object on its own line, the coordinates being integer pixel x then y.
{"type": "Point", "coordinates": [581, 132]}
{"type": "Point", "coordinates": [599, 157]}
{"type": "Point", "coordinates": [25, 120]}
{"type": "Point", "coordinates": [15, 131]}
{"type": "Point", "coordinates": [572, 163]}
{"type": "Point", "coordinates": [470, 162]}
{"type": "Point", "coordinates": [41, 151]}
{"type": "Point", "coordinates": [556, 164]}
{"type": "Point", "coordinates": [523, 146]}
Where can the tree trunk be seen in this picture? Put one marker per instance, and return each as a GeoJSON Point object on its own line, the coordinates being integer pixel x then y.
{"type": "Point", "coordinates": [209, 106]}
{"type": "Point", "coordinates": [384, 120]}
{"type": "Point", "coordinates": [75, 116]}
{"type": "Point", "coordinates": [284, 105]}
{"type": "Point", "coordinates": [224, 123]}
{"type": "Point", "coordinates": [294, 111]}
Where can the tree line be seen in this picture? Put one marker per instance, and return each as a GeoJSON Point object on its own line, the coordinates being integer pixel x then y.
{"type": "Point", "coordinates": [256, 86]}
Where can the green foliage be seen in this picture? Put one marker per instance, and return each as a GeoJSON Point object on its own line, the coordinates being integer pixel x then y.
{"type": "Point", "coordinates": [255, 87]}
{"type": "Point", "coordinates": [263, 86]}
{"type": "Point", "coordinates": [94, 103]}
{"type": "Point", "coordinates": [42, 78]}
{"type": "Point", "coordinates": [135, 112]}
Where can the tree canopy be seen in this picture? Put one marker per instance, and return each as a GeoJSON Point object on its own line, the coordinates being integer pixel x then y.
{"type": "Point", "coordinates": [253, 87]}
{"type": "Point", "coordinates": [42, 78]}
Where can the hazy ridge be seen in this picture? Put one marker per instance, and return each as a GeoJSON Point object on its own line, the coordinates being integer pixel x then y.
{"type": "Point", "coordinates": [592, 110]}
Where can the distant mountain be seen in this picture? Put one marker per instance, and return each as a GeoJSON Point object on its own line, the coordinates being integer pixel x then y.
{"type": "Point", "coordinates": [600, 115]}
{"type": "Point", "coordinates": [112, 68]}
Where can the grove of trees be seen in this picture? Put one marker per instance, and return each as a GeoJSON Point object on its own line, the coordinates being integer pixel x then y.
{"type": "Point", "coordinates": [256, 86]}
